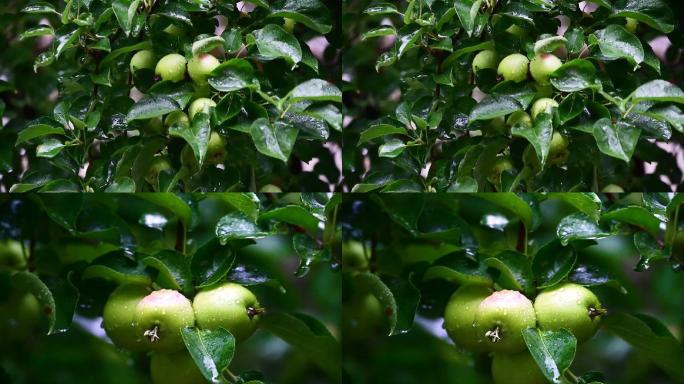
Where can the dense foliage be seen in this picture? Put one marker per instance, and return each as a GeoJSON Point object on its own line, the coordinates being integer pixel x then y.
{"type": "Point", "coordinates": [61, 257]}
{"type": "Point", "coordinates": [439, 95]}
{"type": "Point", "coordinates": [405, 255]}
{"type": "Point", "coordinates": [88, 87]}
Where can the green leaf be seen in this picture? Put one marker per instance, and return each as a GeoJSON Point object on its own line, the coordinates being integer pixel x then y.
{"type": "Point", "coordinates": [174, 270]}
{"type": "Point", "coordinates": [237, 225]}
{"type": "Point", "coordinates": [659, 91]}
{"type": "Point", "coordinates": [152, 106]}
{"type": "Point", "coordinates": [512, 203]}
{"type": "Point", "coordinates": [553, 262]}
{"type": "Point", "coordinates": [383, 30]}
{"type": "Point", "coordinates": [211, 262]}
{"type": "Point", "coordinates": [380, 130]}
{"type": "Point", "coordinates": [494, 106]}
{"type": "Point", "coordinates": [466, 10]}
{"type": "Point", "coordinates": [654, 13]}
{"type": "Point", "coordinates": [539, 134]}
{"type": "Point", "coordinates": [172, 203]}
{"type": "Point", "coordinates": [212, 350]}
{"type": "Point", "coordinates": [293, 214]}
{"type": "Point", "coordinates": [616, 42]}
{"type": "Point", "coordinates": [38, 128]}
{"type": "Point", "coordinates": [274, 42]}
{"type": "Point", "coordinates": [40, 7]}
{"type": "Point", "coordinates": [574, 76]}
{"type": "Point", "coordinates": [391, 148]}
{"type": "Point", "coordinates": [273, 140]}
{"type": "Point", "coordinates": [197, 135]}
{"type": "Point", "coordinates": [616, 140]}
{"type": "Point", "coordinates": [549, 43]}
{"type": "Point", "coordinates": [57, 298]}
{"type": "Point", "coordinates": [233, 75]}
{"type": "Point", "coordinates": [579, 226]}
{"type": "Point", "coordinates": [41, 30]}
{"type": "Point", "coordinates": [587, 203]}
{"type": "Point", "coordinates": [121, 185]}
{"type": "Point", "coordinates": [247, 203]}
{"type": "Point", "coordinates": [49, 148]}
{"type": "Point", "coordinates": [315, 90]}
{"type": "Point", "coordinates": [312, 13]}
{"type": "Point", "coordinates": [553, 351]}
{"type": "Point", "coordinates": [125, 12]}
{"type": "Point", "coordinates": [206, 44]}
{"type": "Point", "coordinates": [382, 9]}
{"type": "Point", "coordinates": [516, 272]}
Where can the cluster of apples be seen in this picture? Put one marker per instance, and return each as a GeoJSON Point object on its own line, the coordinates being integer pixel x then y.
{"type": "Point", "coordinates": [173, 67]}
{"type": "Point", "coordinates": [19, 310]}
{"type": "Point", "coordinates": [140, 320]}
{"type": "Point", "coordinates": [478, 319]}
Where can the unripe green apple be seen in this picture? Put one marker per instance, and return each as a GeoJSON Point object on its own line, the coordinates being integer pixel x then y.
{"type": "Point", "coordinates": [19, 316]}
{"type": "Point", "coordinates": [189, 160]}
{"type": "Point", "coordinates": [159, 165]}
{"type": "Point", "coordinates": [459, 316]}
{"type": "Point", "coordinates": [353, 255]}
{"type": "Point", "coordinates": [199, 67]}
{"type": "Point", "coordinates": [118, 317]}
{"type": "Point", "coordinates": [216, 149]}
{"type": "Point", "coordinates": [160, 317]}
{"type": "Point", "coordinates": [519, 117]}
{"type": "Point", "coordinates": [496, 126]}
{"type": "Point", "coordinates": [171, 67]}
{"type": "Point", "coordinates": [570, 306]}
{"type": "Point", "coordinates": [289, 24]}
{"type": "Point", "coordinates": [612, 188]}
{"type": "Point", "coordinates": [545, 105]}
{"type": "Point", "coordinates": [558, 150]}
{"type": "Point", "coordinates": [501, 318]}
{"type": "Point", "coordinates": [270, 188]}
{"type": "Point", "coordinates": [485, 59]}
{"type": "Point", "coordinates": [177, 117]}
{"type": "Point", "coordinates": [154, 126]}
{"type": "Point", "coordinates": [230, 306]}
{"type": "Point", "coordinates": [201, 105]}
{"type": "Point", "coordinates": [501, 165]}
{"type": "Point", "coordinates": [513, 67]}
{"type": "Point", "coordinates": [631, 24]}
{"type": "Point", "coordinates": [174, 30]}
{"type": "Point", "coordinates": [542, 66]}
{"type": "Point", "coordinates": [362, 318]}
{"type": "Point", "coordinates": [519, 368]}
{"type": "Point", "coordinates": [176, 368]}
{"type": "Point", "coordinates": [142, 60]}
{"type": "Point", "coordinates": [11, 255]}
{"type": "Point", "coordinates": [517, 30]}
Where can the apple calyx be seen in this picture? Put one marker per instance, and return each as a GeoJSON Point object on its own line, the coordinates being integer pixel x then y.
{"type": "Point", "coordinates": [597, 312]}
{"type": "Point", "coordinates": [253, 312]}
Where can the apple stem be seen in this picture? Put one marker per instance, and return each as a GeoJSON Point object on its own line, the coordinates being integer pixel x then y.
{"type": "Point", "coordinates": [251, 312]}
{"type": "Point", "coordinates": [594, 312]}
{"type": "Point", "coordinates": [152, 334]}
{"type": "Point", "coordinates": [493, 335]}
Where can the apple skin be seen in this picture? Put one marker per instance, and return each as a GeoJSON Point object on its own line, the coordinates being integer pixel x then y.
{"type": "Point", "coordinates": [558, 150]}
{"type": "Point", "coordinates": [513, 67]}
{"type": "Point", "coordinates": [519, 368]}
{"type": "Point", "coordinates": [500, 319]}
{"type": "Point", "coordinates": [177, 117]}
{"type": "Point", "coordinates": [542, 66]}
{"type": "Point", "coordinates": [362, 318]}
{"type": "Point", "coordinates": [165, 312]}
{"type": "Point", "coordinates": [119, 316]}
{"type": "Point", "coordinates": [501, 165]}
{"type": "Point", "coordinates": [19, 316]}
{"type": "Point", "coordinates": [201, 105]}
{"type": "Point", "coordinates": [485, 59]}
{"type": "Point", "coordinates": [354, 256]}
{"type": "Point", "coordinates": [177, 368]}
{"type": "Point", "coordinates": [216, 149]}
{"type": "Point", "coordinates": [517, 30]}
{"type": "Point", "coordinates": [199, 67]}
{"type": "Point", "coordinates": [631, 24]}
{"type": "Point", "coordinates": [289, 24]}
{"type": "Point", "coordinates": [230, 306]}
{"type": "Point", "coordinates": [142, 60]}
{"type": "Point", "coordinates": [519, 117]}
{"type": "Point", "coordinates": [459, 316]}
{"type": "Point", "coordinates": [171, 67]}
{"type": "Point", "coordinates": [159, 165]}
{"type": "Point", "coordinates": [11, 255]}
{"type": "Point", "coordinates": [270, 188]}
{"type": "Point", "coordinates": [543, 105]}
{"type": "Point", "coordinates": [568, 306]}
{"type": "Point", "coordinates": [612, 188]}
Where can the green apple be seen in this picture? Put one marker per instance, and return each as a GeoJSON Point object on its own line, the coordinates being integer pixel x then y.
{"type": "Point", "coordinates": [171, 67]}
{"type": "Point", "coordinates": [362, 317]}
{"type": "Point", "coordinates": [176, 368]}
{"type": "Point", "coordinates": [202, 105]}
{"type": "Point", "coordinates": [270, 188]}
{"type": "Point", "coordinates": [199, 67]}
{"type": "Point", "coordinates": [612, 188]}
{"type": "Point", "coordinates": [500, 319]}
{"type": "Point", "coordinates": [542, 66]}
{"type": "Point", "coordinates": [354, 256]}
{"type": "Point", "coordinates": [159, 164]}
{"type": "Point", "coordinates": [154, 126]}
{"type": "Point", "coordinates": [230, 306]}
{"type": "Point", "coordinates": [519, 368]}
{"type": "Point", "coordinates": [11, 255]}
{"type": "Point", "coordinates": [19, 316]}
{"type": "Point", "coordinates": [174, 30]}
{"type": "Point", "coordinates": [545, 105]}
{"type": "Point", "coordinates": [496, 126]}
{"type": "Point", "coordinates": [189, 160]}
{"type": "Point", "coordinates": [289, 24]}
{"type": "Point", "coordinates": [501, 164]}
{"type": "Point", "coordinates": [459, 315]}
{"type": "Point", "coordinates": [216, 149]}
{"type": "Point", "coordinates": [517, 30]}
{"type": "Point", "coordinates": [485, 59]}
{"type": "Point", "coordinates": [160, 317]}
{"type": "Point", "coordinates": [142, 60]}
{"type": "Point", "coordinates": [119, 316]}
{"type": "Point", "coordinates": [558, 150]}
{"type": "Point", "coordinates": [631, 24]}
{"type": "Point", "coordinates": [519, 118]}
{"type": "Point", "coordinates": [570, 306]}
{"type": "Point", "coordinates": [177, 117]}
{"type": "Point", "coordinates": [513, 67]}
